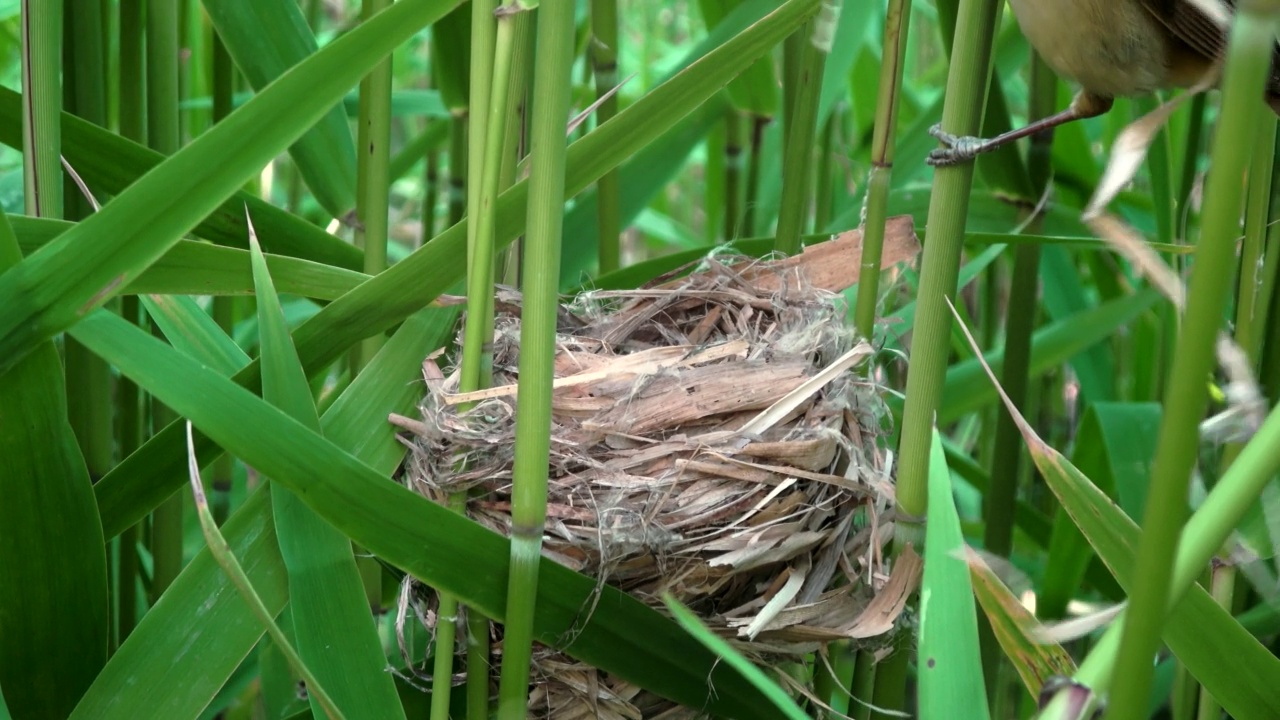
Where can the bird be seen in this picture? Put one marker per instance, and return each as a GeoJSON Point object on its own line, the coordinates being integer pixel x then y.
{"type": "Point", "coordinates": [1110, 48]}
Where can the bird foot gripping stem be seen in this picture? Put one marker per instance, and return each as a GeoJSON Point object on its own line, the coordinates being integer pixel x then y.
{"type": "Point", "coordinates": [959, 148]}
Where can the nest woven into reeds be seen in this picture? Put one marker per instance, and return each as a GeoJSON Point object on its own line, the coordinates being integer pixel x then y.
{"type": "Point", "coordinates": [708, 439]}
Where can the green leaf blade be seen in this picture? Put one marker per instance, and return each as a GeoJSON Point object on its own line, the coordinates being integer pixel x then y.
{"type": "Point", "coordinates": [53, 564]}
{"type": "Point", "coordinates": [86, 265]}
{"type": "Point", "coordinates": [333, 625]}
{"type": "Point", "coordinates": [951, 682]}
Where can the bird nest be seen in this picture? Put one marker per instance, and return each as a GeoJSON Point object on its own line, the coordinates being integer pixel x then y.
{"type": "Point", "coordinates": [711, 438]}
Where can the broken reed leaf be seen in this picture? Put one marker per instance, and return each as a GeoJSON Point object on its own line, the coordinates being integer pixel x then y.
{"type": "Point", "coordinates": [1016, 629]}
{"type": "Point", "coordinates": [1130, 147]}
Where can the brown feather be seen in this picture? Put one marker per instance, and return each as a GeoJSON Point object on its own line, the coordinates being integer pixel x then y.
{"type": "Point", "coordinates": [1202, 36]}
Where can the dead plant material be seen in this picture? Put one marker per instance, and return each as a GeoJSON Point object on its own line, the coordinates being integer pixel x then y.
{"type": "Point", "coordinates": [705, 441]}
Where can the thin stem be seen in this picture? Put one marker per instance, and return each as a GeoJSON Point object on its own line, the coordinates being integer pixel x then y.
{"type": "Point", "coordinates": [1186, 400]}
{"type": "Point", "coordinates": [554, 62]}
{"type": "Point", "coordinates": [862, 685]}
{"type": "Point", "coordinates": [1222, 587]}
{"type": "Point", "coordinates": [1000, 500]}
{"type": "Point", "coordinates": [733, 152]}
{"type": "Point", "coordinates": [41, 106]}
{"type": "Point", "coordinates": [948, 212]}
{"type": "Point", "coordinates": [515, 142]}
{"type": "Point", "coordinates": [457, 154]}
{"type": "Point", "coordinates": [823, 183]}
{"type": "Point", "coordinates": [797, 173]}
{"type": "Point", "coordinates": [446, 637]}
{"type": "Point", "coordinates": [163, 132]}
{"type": "Point", "coordinates": [430, 195]}
{"type": "Point", "coordinates": [758, 125]}
{"type": "Point", "coordinates": [223, 87]}
{"type": "Point", "coordinates": [604, 56]}
{"type": "Point", "coordinates": [476, 347]}
{"type": "Point", "coordinates": [164, 136]}
{"type": "Point", "coordinates": [133, 125]}
{"type": "Point", "coordinates": [374, 152]}
{"type": "Point", "coordinates": [133, 105]}
{"type": "Point", "coordinates": [897, 20]}
{"type": "Point", "coordinates": [89, 397]}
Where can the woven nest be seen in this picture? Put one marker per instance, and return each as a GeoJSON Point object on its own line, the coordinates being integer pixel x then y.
{"type": "Point", "coordinates": [708, 439]}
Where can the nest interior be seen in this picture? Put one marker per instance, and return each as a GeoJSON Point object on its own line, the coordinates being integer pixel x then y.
{"type": "Point", "coordinates": [708, 439]}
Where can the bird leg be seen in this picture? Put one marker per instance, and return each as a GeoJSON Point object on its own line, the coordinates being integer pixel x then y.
{"type": "Point", "coordinates": [963, 149]}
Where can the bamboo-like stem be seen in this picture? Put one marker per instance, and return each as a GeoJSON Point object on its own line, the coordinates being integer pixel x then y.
{"type": "Point", "coordinates": [862, 687]}
{"type": "Point", "coordinates": [133, 106]}
{"type": "Point", "coordinates": [1222, 587]}
{"type": "Point", "coordinates": [430, 195]}
{"type": "Point", "coordinates": [374, 152]}
{"type": "Point", "coordinates": [483, 39]}
{"type": "Point", "coordinates": [792, 59]}
{"type": "Point", "coordinates": [41, 106]}
{"type": "Point", "coordinates": [947, 215]}
{"type": "Point", "coordinates": [1269, 374]}
{"type": "Point", "coordinates": [457, 153]}
{"type": "Point", "coordinates": [195, 81]}
{"type": "Point", "coordinates": [476, 347]}
{"type": "Point", "coordinates": [758, 125]}
{"type": "Point", "coordinates": [515, 142]}
{"type": "Point", "coordinates": [1190, 153]}
{"type": "Point", "coordinates": [85, 75]}
{"type": "Point", "coordinates": [604, 57]}
{"type": "Point", "coordinates": [164, 136]}
{"type": "Point", "coordinates": [897, 21]}
{"type": "Point", "coordinates": [477, 359]}
{"type": "Point", "coordinates": [430, 181]}
{"type": "Point", "coordinates": [1000, 500]}
{"type": "Point", "coordinates": [830, 675]}
{"type": "Point", "coordinates": [477, 350]}
{"type": "Point", "coordinates": [1269, 275]}
{"type": "Point", "coordinates": [1250, 42]}
{"type": "Point", "coordinates": [948, 211]}
{"type": "Point", "coordinates": [88, 377]}
{"type": "Point", "coordinates": [889, 691]}
{"type": "Point", "coordinates": [1182, 696]}
{"type": "Point", "coordinates": [824, 171]}
{"type": "Point", "coordinates": [132, 123]}
{"type": "Point", "coordinates": [446, 637]}
{"type": "Point", "coordinates": [797, 162]}
{"type": "Point", "coordinates": [733, 152]}
{"type": "Point", "coordinates": [163, 130]}
{"type": "Point", "coordinates": [223, 87]}
{"type": "Point", "coordinates": [553, 61]}
{"type": "Point", "coordinates": [1250, 302]}
{"type": "Point", "coordinates": [711, 215]}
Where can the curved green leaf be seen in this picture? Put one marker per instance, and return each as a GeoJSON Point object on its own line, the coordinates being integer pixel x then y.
{"type": "Point", "coordinates": [620, 635]}
{"type": "Point", "coordinates": [949, 660]}
{"type": "Point", "coordinates": [334, 629]}
{"type": "Point", "coordinates": [53, 562]}
{"type": "Point", "coordinates": [89, 263]}
{"type": "Point", "coordinates": [172, 638]}
{"type": "Point", "coordinates": [109, 163]}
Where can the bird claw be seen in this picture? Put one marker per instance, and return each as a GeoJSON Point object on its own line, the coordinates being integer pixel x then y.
{"type": "Point", "coordinates": [959, 149]}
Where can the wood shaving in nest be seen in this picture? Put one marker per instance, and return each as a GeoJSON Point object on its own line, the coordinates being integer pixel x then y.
{"type": "Point", "coordinates": [774, 538]}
